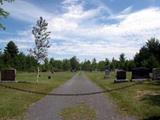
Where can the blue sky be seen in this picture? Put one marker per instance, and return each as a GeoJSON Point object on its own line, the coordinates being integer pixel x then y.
{"type": "Point", "coordinates": [85, 28]}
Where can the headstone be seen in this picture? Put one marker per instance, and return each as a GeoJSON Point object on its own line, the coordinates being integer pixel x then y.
{"type": "Point", "coordinates": [8, 75]}
{"type": "Point", "coordinates": [140, 74]}
{"type": "Point", "coordinates": [121, 76]}
{"type": "Point", "coordinates": [49, 77]}
{"type": "Point", "coordinates": [107, 73]}
{"type": "Point", "coordinates": [156, 74]}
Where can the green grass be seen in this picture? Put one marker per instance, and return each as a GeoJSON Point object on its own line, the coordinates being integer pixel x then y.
{"type": "Point", "coordinates": [79, 112]}
{"type": "Point", "coordinates": [13, 104]}
{"type": "Point", "coordinates": [141, 100]}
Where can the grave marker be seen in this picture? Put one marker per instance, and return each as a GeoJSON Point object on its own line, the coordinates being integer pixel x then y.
{"type": "Point", "coordinates": [140, 74]}
{"type": "Point", "coordinates": [107, 73]}
{"type": "Point", "coordinates": [8, 75]}
{"type": "Point", "coordinates": [156, 74]}
{"type": "Point", "coordinates": [120, 76]}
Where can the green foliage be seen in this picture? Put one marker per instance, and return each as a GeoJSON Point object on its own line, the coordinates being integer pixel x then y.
{"type": "Point", "coordinates": [10, 54]}
{"type": "Point", "coordinates": [101, 65]}
{"type": "Point", "coordinates": [149, 54]}
{"type": "Point", "coordinates": [11, 58]}
{"type": "Point", "coordinates": [3, 13]}
{"type": "Point", "coordinates": [11, 49]}
{"type": "Point", "coordinates": [74, 63]}
{"type": "Point", "coordinates": [66, 65]}
{"type": "Point", "coordinates": [94, 65]}
{"type": "Point", "coordinates": [86, 65]}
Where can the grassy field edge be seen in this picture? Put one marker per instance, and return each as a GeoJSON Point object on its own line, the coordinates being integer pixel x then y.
{"type": "Point", "coordinates": [140, 100]}
{"type": "Point", "coordinates": [13, 104]}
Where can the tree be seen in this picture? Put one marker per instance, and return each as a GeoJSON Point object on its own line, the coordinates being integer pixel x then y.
{"type": "Point", "coordinates": [94, 64]}
{"type": "Point", "coordinates": [11, 49]}
{"type": "Point", "coordinates": [74, 63]}
{"type": "Point", "coordinates": [66, 65]}
{"type": "Point", "coordinates": [10, 53]}
{"type": "Point", "coordinates": [101, 65]}
{"type": "Point", "coordinates": [86, 65]}
{"type": "Point", "coordinates": [30, 63]}
{"type": "Point", "coordinates": [149, 54]}
{"type": "Point", "coordinates": [41, 36]}
{"type": "Point", "coordinates": [122, 61]}
{"type": "Point", "coordinates": [1, 61]}
{"type": "Point", "coordinates": [3, 13]}
{"type": "Point", "coordinates": [129, 65]}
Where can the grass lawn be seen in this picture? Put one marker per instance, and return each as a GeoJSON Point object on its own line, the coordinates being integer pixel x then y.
{"type": "Point", "coordinates": [13, 104]}
{"type": "Point", "coordinates": [141, 100]}
{"type": "Point", "coordinates": [79, 112]}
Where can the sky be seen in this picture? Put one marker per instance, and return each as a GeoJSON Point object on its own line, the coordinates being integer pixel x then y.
{"type": "Point", "coordinates": [84, 28]}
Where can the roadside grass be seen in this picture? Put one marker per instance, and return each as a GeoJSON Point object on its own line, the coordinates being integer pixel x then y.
{"type": "Point", "coordinates": [141, 100]}
{"type": "Point", "coordinates": [13, 104]}
{"type": "Point", "coordinates": [79, 112]}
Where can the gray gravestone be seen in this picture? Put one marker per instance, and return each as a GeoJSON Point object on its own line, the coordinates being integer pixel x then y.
{"type": "Point", "coordinates": [107, 73]}
{"type": "Point", "coordinates": [156, 74]}
{"type": "Point", "coordinates": [140, 74]}
{"type": "Point", "coordinates": [121, 76]}
{"type": "Point", "coordinates": [8, 75]}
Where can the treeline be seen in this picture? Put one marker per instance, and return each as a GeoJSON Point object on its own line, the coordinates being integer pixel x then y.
{"type": "Point", "coordinates": [148, 56]}
{"type": "Point", "coordinates": [12, 58]}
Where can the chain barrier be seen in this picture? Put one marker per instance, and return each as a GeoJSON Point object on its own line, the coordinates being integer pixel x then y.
{"type": "Point", "coordinates": [69, 94]}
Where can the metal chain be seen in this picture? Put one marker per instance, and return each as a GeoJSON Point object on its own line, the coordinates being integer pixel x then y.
{"type": "Point", "coordinates": [63, 94]}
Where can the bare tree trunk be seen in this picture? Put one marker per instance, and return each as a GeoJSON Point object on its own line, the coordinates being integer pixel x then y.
{"type": "Point", "coordinates": [37, 74]}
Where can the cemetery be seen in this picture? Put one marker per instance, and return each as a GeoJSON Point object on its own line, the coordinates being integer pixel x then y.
{"type": "Point", "coordinates": [79, 60]}
{"type": "Point", "coordinates": [141, 96]}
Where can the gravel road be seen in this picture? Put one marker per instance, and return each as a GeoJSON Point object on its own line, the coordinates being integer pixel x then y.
{"type": "Point", "coordinates": [50, 107]}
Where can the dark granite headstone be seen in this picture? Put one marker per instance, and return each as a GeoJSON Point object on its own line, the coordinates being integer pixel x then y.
{"type": "Point", "coordinates": [156, 74]}
{"type": "Point", "coordinates": [120, 76]}
{"type": "Point", "coordinates": [49, 77]}
{"type": "Point", "coordinates": [140, 73]}
{"type": "Point", "coordinates": [8, 75]}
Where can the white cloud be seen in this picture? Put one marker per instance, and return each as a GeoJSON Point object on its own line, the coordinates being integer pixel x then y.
{"type": "Point", "coordinates": [130, 33]}
{"type": "Point", "coordinates": [127, 10]}
{"type": "Point", "coordinates": [25, 11]}
{"type": "Point", "coordinates": [78, 35]}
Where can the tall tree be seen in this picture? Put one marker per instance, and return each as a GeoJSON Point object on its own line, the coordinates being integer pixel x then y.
{"type": "Point", "coordinates": [122, 61]}
{"type": "Point", "coordinates": [11, 49]}
{"type": "Point", "coordinates": [3, 13]}
{"type": "Point", "coordinates": [86, 65]}
{"type": "Point", "coordinates": [41, 36]}
{"type": "Point", "coordinates": [66, 65]}
{"type": "Point", "coordinates": [149, 54]}
{"type": "Point", "coordinates": [94, 64]}
{"type": "Point", "coordinates": [74, 63]}
{"type": "Point", "coordinates": [101, 65]}
{"type": "Point", "coordinates": [10, 54]}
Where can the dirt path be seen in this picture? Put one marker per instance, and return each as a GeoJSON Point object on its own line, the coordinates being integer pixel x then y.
{"type": "Point", "coordinates": [50, 106]}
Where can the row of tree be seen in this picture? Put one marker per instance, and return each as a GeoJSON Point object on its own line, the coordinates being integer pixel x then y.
{"type": "Point", "coordinates": [148, 56]}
